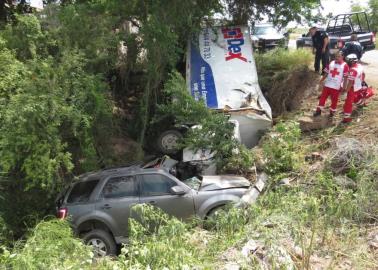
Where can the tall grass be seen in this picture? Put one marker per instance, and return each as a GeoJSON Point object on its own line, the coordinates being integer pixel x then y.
{"type": "Point", "coordinates": [50, 245]}
{"type": "Point", "coordinates": [277, 64]}
{"type": "Point", "coordinates": [281, 59]}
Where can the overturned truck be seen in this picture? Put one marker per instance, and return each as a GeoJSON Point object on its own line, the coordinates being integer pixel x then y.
{"type": "Point", "coordinates": [221, 71]}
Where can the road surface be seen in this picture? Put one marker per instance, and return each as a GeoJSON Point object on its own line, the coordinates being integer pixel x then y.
{"type": "Point", "coordinates": [370, 62]}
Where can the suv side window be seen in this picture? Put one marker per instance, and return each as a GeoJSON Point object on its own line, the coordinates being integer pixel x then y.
{"type": "Point", "coordinates": [118, 187]}
{"type": "Point", "coordinates": [155, 185]}
{"type": "Point", "coordinates": [82, 191]}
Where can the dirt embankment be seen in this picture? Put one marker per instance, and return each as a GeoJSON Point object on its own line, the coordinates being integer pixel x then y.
{"type": "Point", "coordinates": [290, 89]}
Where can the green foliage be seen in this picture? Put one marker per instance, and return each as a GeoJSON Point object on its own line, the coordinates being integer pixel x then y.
{"type": "Point", "coordinates": [4, 232]}
{"type": "Point", "coordinates": [53, 112]}
{"type": "Point", "coordinates": [179, 103]}
{"type": "Point", "coordinates": [279, 12]}
{"type": "Point", "coordinates": [355, 200]}
{"type": "Point", "coordinates": [12, 73]}
{"type": "Point", "coordinates": [59, 102]}
{"type": "Point", "coordinates": [24, 36]}
{"type": "Point", "coordinates": [71, 28]}
{"type": "Point", "coordinates": [280, 148]}
{"type": "Point", "coordinates": [373, 14]}
{"type": "Point", "coordinates": [280, 60]}
{"type": "Point", "coordinates": [49, 246]}
{"type": "Point", "coordinates": [165, 244]}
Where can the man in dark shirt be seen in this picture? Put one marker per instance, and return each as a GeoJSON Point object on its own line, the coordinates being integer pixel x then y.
{"type": "Point", "coordinates": [353, 47]}
{"type": "Point", "coordinates": [320, 48]}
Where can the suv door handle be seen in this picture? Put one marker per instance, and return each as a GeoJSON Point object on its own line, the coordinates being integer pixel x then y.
{"type": "Point", "coordinates": [106, 206]}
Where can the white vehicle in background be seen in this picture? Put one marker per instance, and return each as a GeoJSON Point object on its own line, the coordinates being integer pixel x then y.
{"type": "Point", "coordinates": [266, 37]}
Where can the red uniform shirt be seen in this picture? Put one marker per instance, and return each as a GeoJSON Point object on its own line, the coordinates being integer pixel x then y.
{"type": "Point", "coordinates": [357, 76]}
{"type": "Point", "coordinates": [336, 72]}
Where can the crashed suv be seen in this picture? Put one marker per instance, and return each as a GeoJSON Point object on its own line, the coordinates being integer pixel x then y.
{"type": "Point", "coordinates": [99, 204]}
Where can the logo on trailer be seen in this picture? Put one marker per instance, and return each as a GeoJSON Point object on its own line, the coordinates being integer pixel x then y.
{"type": "Point", "coordinates": [235, 40]}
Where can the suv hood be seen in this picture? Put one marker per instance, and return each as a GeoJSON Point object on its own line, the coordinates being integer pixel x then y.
{"type": "Point", "coordinates": [216, 182]}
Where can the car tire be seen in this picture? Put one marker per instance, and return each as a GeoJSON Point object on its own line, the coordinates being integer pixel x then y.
{"type": "Point", "coordinates": [102, 242]}
{"type": "Point", "coordinates": [167, 142]}
{"type": "Point", "coordinates": [211, 217]}
{"type": "Point", "coordinates": [213, 213]}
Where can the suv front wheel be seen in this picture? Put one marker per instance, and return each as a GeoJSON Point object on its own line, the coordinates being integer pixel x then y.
{"type": "Point", "coordinates": [101, 241]}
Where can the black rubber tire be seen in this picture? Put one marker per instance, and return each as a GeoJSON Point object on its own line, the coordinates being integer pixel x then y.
{"type": "Point", "coordinates": [210, 219]}
{"type": "Point", "coordinates": [215, 211]}
{"type": "Point", "coordinates": [160, 142]}
{"type": "Point", "coordinates": [105, 237]}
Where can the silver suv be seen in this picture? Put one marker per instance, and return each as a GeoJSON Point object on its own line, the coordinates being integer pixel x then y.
{"type": "Point", "coordinates": [99, 203]}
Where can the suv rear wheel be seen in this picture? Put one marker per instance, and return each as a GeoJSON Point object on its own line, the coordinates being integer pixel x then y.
{"type": "Point", "coordinates": [101, 241]}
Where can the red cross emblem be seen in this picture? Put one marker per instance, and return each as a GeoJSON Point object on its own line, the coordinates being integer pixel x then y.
{"type": "Point", "coordinates": [334, 72]}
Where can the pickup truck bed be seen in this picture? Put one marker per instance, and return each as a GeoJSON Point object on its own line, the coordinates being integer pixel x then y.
{"type": "Point", "coordinates": [341, 27]}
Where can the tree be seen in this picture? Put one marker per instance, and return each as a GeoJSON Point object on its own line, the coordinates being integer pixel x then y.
{"type": "Point", "coordinates": [9, 7]}
{"type": "Point", "coordinates": [279, 12]}
{"type": "Point", "coordinates": [373, 5]}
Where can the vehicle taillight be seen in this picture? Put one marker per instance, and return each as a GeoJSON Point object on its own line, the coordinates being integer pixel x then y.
{"type": "Point", "coordinates": [373, 38]}
{"type": "Point", "coordinates": [62, 213]}
{"type": "Point", "coordinates": [340, 44]}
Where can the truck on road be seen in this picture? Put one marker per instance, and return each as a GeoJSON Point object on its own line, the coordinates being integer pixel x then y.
{"type": "Point", "coordinates": [340, 29]}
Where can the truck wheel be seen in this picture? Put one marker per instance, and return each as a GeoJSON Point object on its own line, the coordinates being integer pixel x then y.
{"type": "Point", "coordinates": [102, 243]}
{"type": "Point", "coordinates": [167, 143]}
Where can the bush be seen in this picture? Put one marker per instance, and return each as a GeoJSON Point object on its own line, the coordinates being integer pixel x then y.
{"type": "Point", "coordinates": [158, 241]}
{"type": "Point", "coordinates": [50, 245]}
{"type": "Point", "coordinates": [275, 61]}
{"type": "Point", "coordinates": [358, 163]}
{"type": "Point", "coordinates": [4, 232]}
{"type": "Point", "coordinates": [281, 148]}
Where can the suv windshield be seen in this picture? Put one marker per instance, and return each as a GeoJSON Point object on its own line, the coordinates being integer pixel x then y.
{"type": "Point", "coordinates": [265, 30]}
{"type": "Point", "coordinates": [82, 191]}
{"type": "Point", "coordinates": [193, 182]}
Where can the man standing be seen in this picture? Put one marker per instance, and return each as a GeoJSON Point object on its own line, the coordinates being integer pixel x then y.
{"type": "Point", "coordinates": [355, 78]}
{"type": "Point", "coordinates": [320, 48]}
{"type": "Point", "coordinates": [334, 76]}
{"type": "Point", "coordinates": [353, 47]}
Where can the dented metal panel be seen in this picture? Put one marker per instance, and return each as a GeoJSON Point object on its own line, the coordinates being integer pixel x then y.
{"type": "Point", "coordinates": [221, 71]}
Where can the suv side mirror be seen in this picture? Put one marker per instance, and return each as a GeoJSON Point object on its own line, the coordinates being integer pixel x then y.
{"type": "Point", "coordinates": [177, 190]}
{"type": "Point", "coordinates": [303, 35]}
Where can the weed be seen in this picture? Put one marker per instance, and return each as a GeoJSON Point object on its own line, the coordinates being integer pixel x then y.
{"type": "Point", "coordinates": [50, 245]}
{"type": "Point", "coordinates": [280, 148]}
{"type": "Point", "coordinates": [158, 241]}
